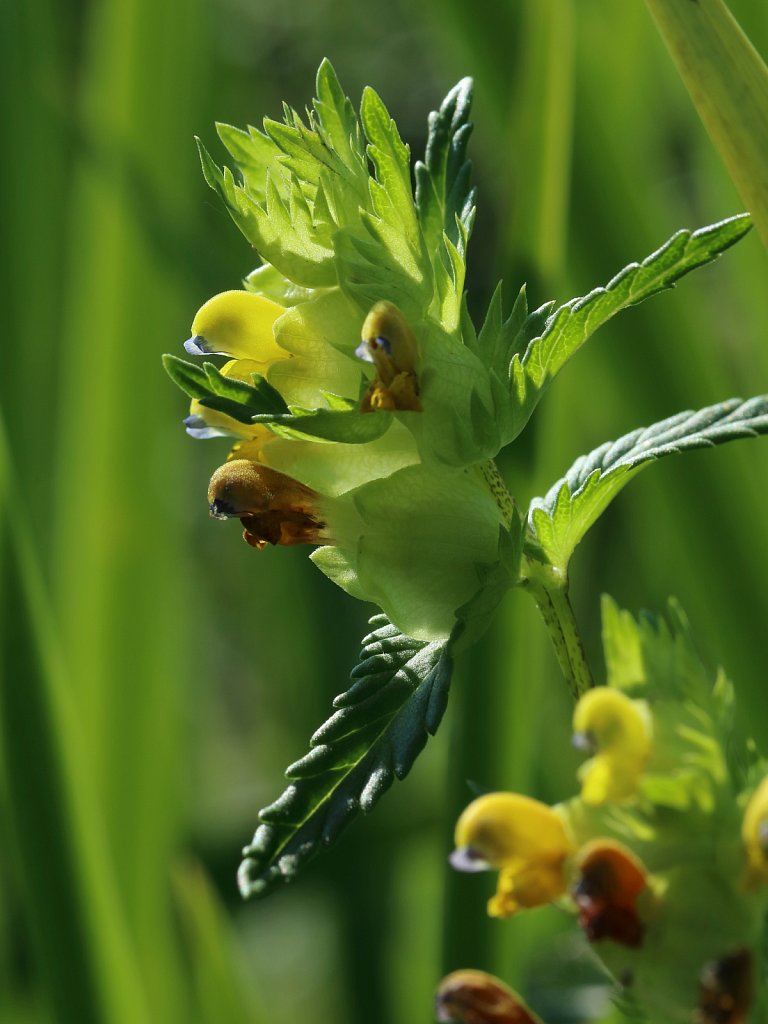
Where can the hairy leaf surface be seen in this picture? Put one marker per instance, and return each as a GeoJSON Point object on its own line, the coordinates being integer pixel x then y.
{"type": "Point", "coordinates": [573, 323]}
{"type": "Point", "coordinates": [397, 698]}
{"type": "Point", "coordinates": [559, 520]}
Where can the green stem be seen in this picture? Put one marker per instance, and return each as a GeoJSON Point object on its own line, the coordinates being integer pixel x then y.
{"type": "Point", "coordinates": [551, 597]}
{"type": "Point", "coordinates": [728, 83]}
{"type": "Point", "coordinates": [499, 490]}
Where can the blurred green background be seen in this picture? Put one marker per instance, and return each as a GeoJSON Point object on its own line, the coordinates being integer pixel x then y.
{"type": "Point", "coordinates": [157, 676]}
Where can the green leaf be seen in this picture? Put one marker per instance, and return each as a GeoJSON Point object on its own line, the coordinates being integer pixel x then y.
{"type": "Point", "coordinates": [391, 190]}
{"type": "Point", "coordinates": [215, 178]}
{"type": "Point", "coordinates": [445, 201]}
{"type": "Point", "coordinates": [559, 520]}
{"type": "Point", "coordinates": [573, 323]}
{"type": "Point", "coordinates": [338, 121]}
{"type": "Point", "coordinates": [655, 658]}
{"type": "Point", "coordinates": [253, 152]}
{"type": "Point", "coordinates": [346, 425]}
{"type": "Point", "coordinates": [258, 398]}
{"type": "Point", "coordinates": [499, 338]}
{"type": "Point", "coordinates": [397, 698]}
{"type": "Point", "coordinates": [443, 192]}
{"type": "Point", "coordinates": [236, 398]}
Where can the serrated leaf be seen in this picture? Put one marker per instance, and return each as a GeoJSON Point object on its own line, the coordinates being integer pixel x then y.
{"type": "Point", "coordinates": [236, 398]}
{"type": "Point", "coordinates": [442, 180]}
{"type": "Point", "coordinates": [253, 152]}
{"type": "Point", "coordinates": [215, 178]}
{"type": "Point", "coordinates": [338, 120]}
{"type": "Point", "coordinates": [194, 381]}
{"type": "Point", "coordinates": [573, 323]}
{"type": "Point", "coordinates": [258, 397]}
{"type": "Point", "coordinates": [559, 520]}
{"type": "Point", "coordinates": [499, 337]}
{"type": "Point", "coordinates": [396, 700]}
{"type": "Point", "coordinates": [391, 192]}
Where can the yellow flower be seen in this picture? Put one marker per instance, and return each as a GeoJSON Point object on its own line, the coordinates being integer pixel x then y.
{"type": "Point", "coordinates": [617, 731]}
{"type": "Point", "coordinates": [523, 839]}
{"type": "Point", "coordinates": [238, 324]}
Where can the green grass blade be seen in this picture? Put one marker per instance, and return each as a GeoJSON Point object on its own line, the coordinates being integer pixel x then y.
{"type": "Point", "coordinates": [728, 83]}
{"type": "Point", "coordinates": [72, 904]}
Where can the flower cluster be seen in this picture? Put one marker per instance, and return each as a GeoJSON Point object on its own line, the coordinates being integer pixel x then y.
{"type": "Point", "coordinates": [363, 418]}
{"type": "Point", "coordinates": [663, 855]}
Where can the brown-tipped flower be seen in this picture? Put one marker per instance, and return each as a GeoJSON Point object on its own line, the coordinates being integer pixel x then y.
{"type": "Point", "coordinates": [609, 883]}
{"type": "Point", "coordinates": [389, 343]}
{"type": "Point", "coordinates": [725, 994]}
{"type": "Point", "coordinates": [474, 997]}
{"type": "Point", "coordinates": [272, 507]}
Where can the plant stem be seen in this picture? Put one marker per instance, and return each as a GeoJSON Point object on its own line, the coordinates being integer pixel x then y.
{"type": "Point", "coordinates": [551, 597]}
{"type": "Point", "coordinates": [499, 490]}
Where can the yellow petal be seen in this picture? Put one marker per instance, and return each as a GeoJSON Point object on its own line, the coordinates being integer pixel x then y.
{"type": "Point", "coordinates": [618, 731]}
{"type": "Point", "coordinates": [239, 324]}
{"type": "Point", "coordinates": [523, 838]}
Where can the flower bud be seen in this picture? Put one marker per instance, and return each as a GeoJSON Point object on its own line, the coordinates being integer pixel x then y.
{"type": "Point", "coordinates": [474, 997]}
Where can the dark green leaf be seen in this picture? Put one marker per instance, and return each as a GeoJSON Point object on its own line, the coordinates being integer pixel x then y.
{"type": "Point", "coordinates": [559, 520]}
{"type": "Point", "coordinates": [235, 398]}
{"type": "Point", "coordinates": [257, 398]}
{"type": "Point", "coordinates": [397, 697]}
{"type": "Point", "coordinates": [443, 192]}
